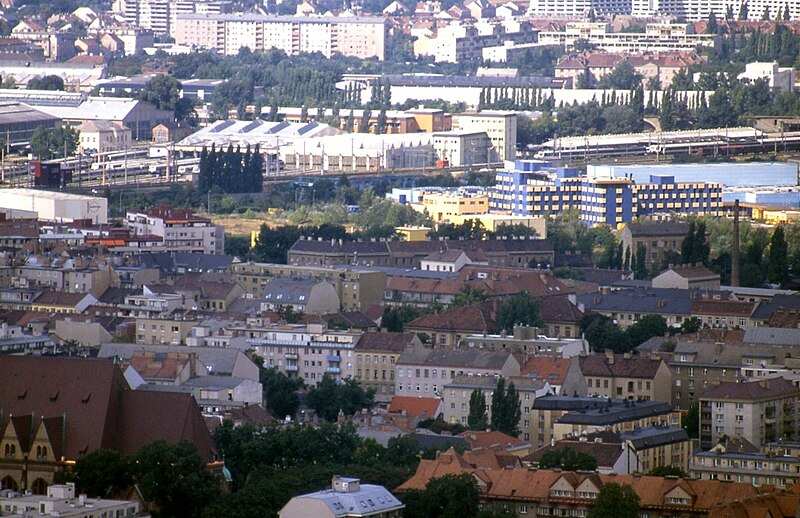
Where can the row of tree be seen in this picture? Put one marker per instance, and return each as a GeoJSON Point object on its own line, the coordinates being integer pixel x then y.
{"type": "Point", "coordinates": [505, 410]}
{"type": "Point", "coordinates": [231, 170]}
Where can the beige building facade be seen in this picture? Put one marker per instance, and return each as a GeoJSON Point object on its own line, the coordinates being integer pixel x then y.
{"type": "Point", "coordinates": [500, 126]}
{"type": "Point", "coordinates": [362, 37]}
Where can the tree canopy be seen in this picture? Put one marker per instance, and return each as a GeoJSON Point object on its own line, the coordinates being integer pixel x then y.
{"type": "Point", "coordinates": [506, 411]}
{"type": "Point", "coordinates": [617, 500]}
{"type": "Point", "coordinates": [520, 309]}
{"type": "Point", "coordinates": [568, 459]}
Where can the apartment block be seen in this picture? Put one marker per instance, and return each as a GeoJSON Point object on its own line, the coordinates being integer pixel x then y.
{"type": "Point", "coordinates": [425, 372]}
{"type": "Point", "coordinates": [622, 376]}
{"type": "Point", "coordinates": [158, 331]}
{"type": "Point", "coordinates": [307, 352]}
{"type": "Point", "coordinates": [357, 288]}
{"type": "Point", "coordinates": [601, 201]}
{"type": "Point", "coordinates": [180, 230]}
{"type": "Point", "coordinates": [759, 411]}
{"type": "Point", "coordinates": [464, 148]}
{"type": "Point", "coordinates": [376, 358]}
{"type": "Point", "coordinates": [362, 37]}
{"type": "Point", "coordinates": [657, 37]}
{"type": "Point", "coordinates": [735, 460]}
{"type": "Point", "coordinates": [500, 126]}
{"type": "Point", "coordinates": [557, 417]}
{"type": "Point", "coordinates": [658, 239]}
{"type": "Point", "coordinates": [160, 15]}
{"type": "Point", "coordinates": [456, 395]}
{"type": "Point", "coordinates": [459, 43]}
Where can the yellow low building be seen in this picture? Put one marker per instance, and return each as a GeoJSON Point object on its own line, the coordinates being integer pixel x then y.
{"type": "Point", "coordinates": [413, 233]}
{"type": "Point", "coordinates": [441, 206]}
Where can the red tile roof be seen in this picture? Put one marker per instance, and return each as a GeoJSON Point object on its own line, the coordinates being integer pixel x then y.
{"type": "Point", "coordinates": [477, 318]}
{"type": "Point", "coordinates": [754, 390]}
{"type": "Point", "coordinates": [100, 409]}
{"type": "Point", "coordinates": [551, 370]}
{"type": "Point", "coordinates": [534, 485]}
{"type": "Point", "coordinates": [731, 308]}
{"type": "Point", "coordinates": [625, 367]}
{"type": "Point", "coordinates": [491, 440]}
{"type": "Point", "coordinates": [425, 407]}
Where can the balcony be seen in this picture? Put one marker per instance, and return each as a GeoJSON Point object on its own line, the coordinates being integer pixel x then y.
{"type": "Point", "coordinates": [334, 358]}
{"type": "Point", "coordinates": [292, 356]}
{"type": "Point", "coordinates": [333, 370]}
{"type": "Point", "coordinates": [291, 368]}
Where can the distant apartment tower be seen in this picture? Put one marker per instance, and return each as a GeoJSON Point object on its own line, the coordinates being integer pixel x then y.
{"type": "Point", "coordinates": [579, 7]}
{"type": "Point", "coordinates": [500, 126]}
{"type": "Point", "coordinates": [180, 230]}
{"type": "Point", "coordinates": [361, 37]}
{"type": "Point", "coordinates": [160, 15]}
{"type": "Point", "coordinates": [760, 411]}
{"type": "Point", "coordinates": [601, 201]}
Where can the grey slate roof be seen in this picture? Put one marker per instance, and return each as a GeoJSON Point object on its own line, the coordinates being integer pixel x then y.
{"type": "Point", "coordinates": [291, 290]}
{"type": "Point", "coordinates": [369, 500]}
{"type": "Point", "coordinates": [658, 229]}
{"type": "Point", "coordinates": [172, 262]}
{"type": "Point", "coordinates": [470, 358]}
{"type": "Point", "coordinates": [650, 437]}
{"type": "Point", "coordinates": [766, 308]}
{"type": "Point", "coordinates": [669, 301]}
{"type": "Point", "coordinates": [221, 360]}
{"type": "Point", "coordinates": [616, 413]}
{"type": "Point", "coordinates": [772, 336]}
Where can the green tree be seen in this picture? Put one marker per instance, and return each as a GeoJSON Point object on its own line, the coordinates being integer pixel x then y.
{"type": "Point", "coordinates": [711, 26]}
{"type": "Point", "coordinates": [103, 473]}
{"type": "Point", "coordinates": [477, 418]}
{"type": "Point", "coordinates": [568, 459]}
{"type": "Point", "coordinates": [280, 392]}
{"type": "Point", "coordinates": [640, 262]}
{"type": "Point", "coordinates": [51, 82]}
{"type": "Point", "coordinates": [778, 264]}
{"type": "Point", "coordinates": [623, 77]}
{"type": "Point", "coordinates": [646, 328]}
{"type": "Point", "coordinates": [602, 333]}
{"type": "Point", "coordinates": [506, 411]}
{"type": "Point", "coordinates": [617, 500]}
{"type": "Point", "coordinates": [690, 325]}
{"type": "Point", "coordinates": [329, 398]}
{"type": "Point", "coordinates": [174, 477]}
{"type": "Point", "coordinates": [49, 143]}
{"type": "Point", "coordinates": [164, 91]}
{"type": "Point", "coordinates": [468, 296]}
{"type": "Point", "coordinates": [691, 421]}
{"type": "Point", "coordinates": [666, 471]}
{"type": "Point", "coordinates": [450, 496]}
{"type": "Point", "coordinates": [520, 309]}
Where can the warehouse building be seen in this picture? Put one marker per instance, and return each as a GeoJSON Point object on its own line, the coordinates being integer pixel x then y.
{"type": "Point", "coordinates": [56, 206]}
{"type": "Point", "coordinates": [729, 174]}
{"type": "Point", "coordinates": [18, 122]}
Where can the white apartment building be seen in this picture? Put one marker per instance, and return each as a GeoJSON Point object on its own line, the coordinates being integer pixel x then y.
{"type": "Point", "coordinates": [160, 15]}
{"type": "Point", "coordinates": [457, 43]}
{"type": "Point", "coordinates": [579, 8]}
{"type": "Point", "coordinates": [179, 229]}
{"type": "Point", "coordinates": [463, 148]}
{"type": "Point", "coordinates": [307, 352]}
{"type": "Point", "coordinates": [357, 36]}
{"type": "Point", "coordinates": [658, 37]}
{"type": "Point", "coordinates": [760, 411]}
{"type": "Point", "coordinates": [103, 136]}
{"type": "Point", "coordinates": [424, 372]}
{"type": "Point", "coordinates": [500, 127]}
{"type": "Point", "coordinates": [457, 394]}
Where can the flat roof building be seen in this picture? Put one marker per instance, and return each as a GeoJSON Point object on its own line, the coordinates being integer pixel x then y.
{"type": "Point", "coordinates": [57, 206]}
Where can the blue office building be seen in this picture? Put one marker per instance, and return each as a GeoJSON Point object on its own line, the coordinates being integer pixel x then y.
{"type": "Point", "coordinates": [546, 191]}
